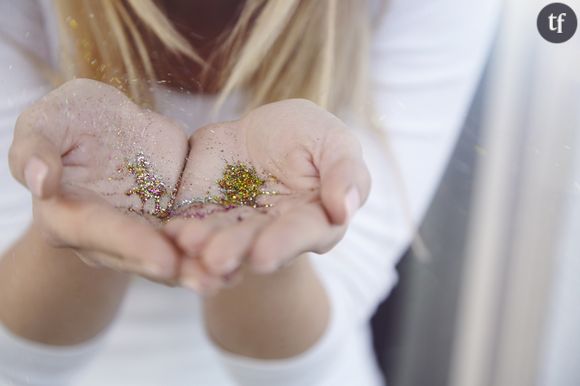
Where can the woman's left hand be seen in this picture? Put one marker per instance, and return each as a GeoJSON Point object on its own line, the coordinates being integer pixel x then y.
{"type": "Point", "coordinates": [312, 166]}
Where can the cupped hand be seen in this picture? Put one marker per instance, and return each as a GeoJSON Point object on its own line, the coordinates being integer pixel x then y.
{"type": "Point", "coordinates": [105, 174]}
{"type": "Point", "coordinates": [80, 150]}
{"type": "Point", "coordinates": [314, 179]}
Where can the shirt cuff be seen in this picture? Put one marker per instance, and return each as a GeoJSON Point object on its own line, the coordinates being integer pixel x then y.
{"type": "Point", "coordinates": [311, 367]}
{"type": "Point", "coordinates": [24, 362]}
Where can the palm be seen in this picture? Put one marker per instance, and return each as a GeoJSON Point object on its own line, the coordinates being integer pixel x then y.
{"type": "Point", "coordinates": [286, 143]}
{"type": "Point", "coordinates": [105, 143]}
{"type": "Point", "coordinates": [286, 166]}
{"type": "Point", "coordinates": [111, 144]}
{"type": "Point", "coordinates": [115, 155]}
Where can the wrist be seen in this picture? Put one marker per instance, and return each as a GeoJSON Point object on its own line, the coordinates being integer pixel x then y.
{"type": "Point", "coordinates": [38, 247]}
{"type": "Point", "coordinates": [286, 273]}
{"type": "Point", "coordinates": [252, 319]}
{"type": "Point", "coordinates": [42, 286]}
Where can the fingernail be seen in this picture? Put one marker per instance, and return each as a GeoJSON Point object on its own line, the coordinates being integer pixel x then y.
{"type": "Point", "coordinates": [351, 202]}
{"type": "Point", "coordinates": [152, 269]}
{"type": "Point", "coordinates": [35, 173]}
{"type": "Point", "coordinates": [191, 283]}
{"type": "Point", "coordinates": [229, 266]}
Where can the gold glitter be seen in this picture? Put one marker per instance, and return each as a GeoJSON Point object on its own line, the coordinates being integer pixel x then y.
{"type": "Point", "coordinates": [73, 23]}
{"type": "Point", "coordinates": [148, 185]}
{"type": "Point", "coordinates": [240, 185]}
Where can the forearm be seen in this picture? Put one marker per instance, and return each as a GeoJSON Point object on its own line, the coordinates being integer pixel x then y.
{"type": "Point", "coordinates": [50, 296]}
{"type": "Point", "coordinates": [270, 316]}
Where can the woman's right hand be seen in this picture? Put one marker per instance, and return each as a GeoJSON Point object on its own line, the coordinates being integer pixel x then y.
{"type": "Point", "coordinates": [72, 150]}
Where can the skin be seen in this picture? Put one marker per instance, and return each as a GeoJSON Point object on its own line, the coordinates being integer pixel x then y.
{"type": "Point", "coordinates": [76, 213]}
{"type": "Point", "coordinates": [283, 311]}
{"type": "Point", "coordinates": [263, 298]}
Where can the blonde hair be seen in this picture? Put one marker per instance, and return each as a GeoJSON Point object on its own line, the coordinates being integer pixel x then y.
{"type": "Point", "coordinates": [313, 49]}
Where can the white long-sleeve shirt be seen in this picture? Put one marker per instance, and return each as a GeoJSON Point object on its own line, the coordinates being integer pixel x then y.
{"type": "Point", "coordinates": [427, 57]}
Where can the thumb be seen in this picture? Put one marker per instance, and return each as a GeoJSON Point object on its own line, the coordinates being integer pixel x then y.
{"type": "Point", "coordinates": [36, 163]}
{"type": "Point", "coordinates": [345, 185]}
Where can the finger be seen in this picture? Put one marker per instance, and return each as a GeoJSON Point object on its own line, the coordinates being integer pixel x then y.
{"type": "Point", "coordinates": [190, 235]}
{"type": "Point", "coordinates": [305, 229]}
{"type": "Point", "coordinates": [98, 259]}
{"type": "Point", "coordinates": [97, 227]}
{"type": "Point", "coordinates": [345, 179]}
{"type": "Point", "coordinates": [224, 252]}
{"type": "Point", "coordinates": [194, 276]}
{"type": "Point", "coordinates": [35, 161]}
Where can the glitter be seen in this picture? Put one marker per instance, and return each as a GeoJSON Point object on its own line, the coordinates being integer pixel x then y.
{"type": "Point", "coordinates": [197, 209]}
{"type": "Point", "coordinates": [240, 185]}
{"type": "Point", "coordinates": [73, 23]}
{"type": "Point", "coordinates": [148, 185]}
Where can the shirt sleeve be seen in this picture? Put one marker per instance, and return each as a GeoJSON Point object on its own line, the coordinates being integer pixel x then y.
{"type": "Point", "coordinates": [24, 48]}
{"type": "Point", "coordinates": [26, 363]}
{"type": "Point", "coordinates": [21, 36]}
{"type": "Point", "coordinates": [427, 59]}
